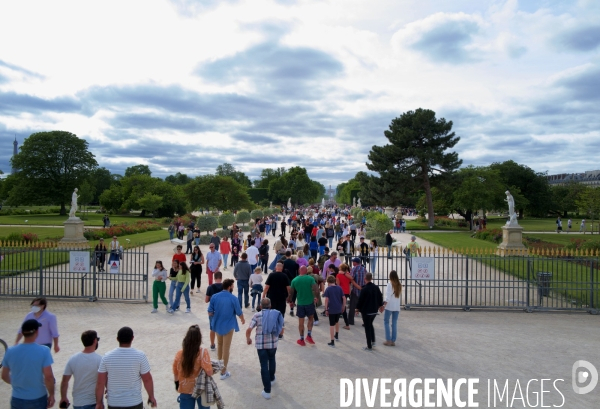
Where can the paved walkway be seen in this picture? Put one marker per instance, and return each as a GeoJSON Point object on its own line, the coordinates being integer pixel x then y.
{"type": "Point", "coordinates": [431, 344]}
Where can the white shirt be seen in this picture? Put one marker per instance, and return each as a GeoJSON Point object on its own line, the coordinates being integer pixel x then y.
{"type": "Point", "coordinates": [84, 368]}
{"type": "Point", "coordinates": [125, 367]}
{"type": "Point", "coordinates": [393, 303]}
{"type": "Point", "coordinates": [159, 273]}
{"type": "Point", "coordinates": [252, 253]}
{"type": "Point", "coordinates": [255, 279]}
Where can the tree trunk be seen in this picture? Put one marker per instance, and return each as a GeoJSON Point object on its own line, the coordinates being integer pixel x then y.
{"type": "Point", "coordinates": [520, 214]}
{"type": "Point", "coordinates": [63, 210]}
{"type": "Point", "coordinates": [429, 197]}
{"type": "Point", "coordinates": [565, 215]}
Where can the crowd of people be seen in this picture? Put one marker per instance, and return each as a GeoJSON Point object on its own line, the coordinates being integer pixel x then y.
{"type": "Point", "coordinates": [309, 278]}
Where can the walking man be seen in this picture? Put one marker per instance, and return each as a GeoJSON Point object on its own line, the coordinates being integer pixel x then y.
{"type": "Point", "coordinates": [277, 288]}
{"type": "Point", "coordinates": [224, 308]}
{"type": "Point", "coordinates": [121, 374]}
{"type": "Point", "coordinates": [369, 302]}
{"type": "Point", "coordinates": [84, 367]}
{"type": "Point", "coordinates": [49, 327]}
{"type": "Point", "coordinates": [414, 250]}
{"type": "Point", "coordinates": [28, 368]}
{"type": "Point", "coordinates": [305, 288]}
{"type": "Point", "coordinates": [357, 277]}
{"type": "Point", "coordinates": [268, 324]}
{"type": "Point", "coordinates": [213, 262]}
{"type": "Point", "coordinates": [213, 289]}
{"type": "Point", "coordinates": [242, 272]}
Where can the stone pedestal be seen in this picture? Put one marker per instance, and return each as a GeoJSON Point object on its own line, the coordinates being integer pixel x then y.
{"type": "Point", "coordinates": [73, 234]}
{"type": "Point", "coordinates": [389, 212]}
{"type": "Point", "coordinates": [512, 242]}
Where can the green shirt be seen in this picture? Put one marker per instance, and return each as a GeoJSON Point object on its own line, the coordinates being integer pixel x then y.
{"type": "Point", "coordinates": [303, 285]}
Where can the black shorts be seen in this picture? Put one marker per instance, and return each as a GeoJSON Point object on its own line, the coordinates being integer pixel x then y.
{"type": "Point", "coordinates": [280, 306]}
{"type": "Point", "coordinates": [304, 311]}
{"type": "Point", "coordinates": [333, 319]}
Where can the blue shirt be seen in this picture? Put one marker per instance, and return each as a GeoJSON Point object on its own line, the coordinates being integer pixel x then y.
{"type": "Point", "coordinates": [225, 306]}
{"type": "Point", "coordinates": [49, 329]}
{"type": "Point", "coordinates": [212, 260]}
{"type": "Point", "coordinates": [26, 363]}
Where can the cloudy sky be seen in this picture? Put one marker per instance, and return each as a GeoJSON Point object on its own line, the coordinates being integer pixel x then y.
{"type": "Point", "coordinates": [185, 85]}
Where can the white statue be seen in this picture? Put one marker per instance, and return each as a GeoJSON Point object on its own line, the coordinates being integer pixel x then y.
{"type": "Point", "coordinates": [270, 205]}
{"type": "Point", "coordinates": [73, 203]}
{"type": "Point", "coordinates": [354, 202]}
{"type": "Point", "coordinates": [358, 203]}
{"type": "Point", "coordinates": [512, 216]}
{"type": "Point", "coordinates": [323, 202]}
{"type": "Point", "coordinates": [289, 203]}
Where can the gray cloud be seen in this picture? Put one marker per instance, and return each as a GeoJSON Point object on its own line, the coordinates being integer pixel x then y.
{"type": "Point", "coordinates": [11, 102]}
{"type": "Point", "coordinates": [447, 41]}
{"type": "Point", "coordinates": [21, 70]}
{"type": "Point", "coordinates": [583, 86]}
{"type": "Point", "coordinates": [154, 121]}
{"type": "Point", "coordinates": [585, 38]}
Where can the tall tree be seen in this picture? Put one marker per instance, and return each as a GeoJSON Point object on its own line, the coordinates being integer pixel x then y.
{"type": "Point", "coordinates": [87, 192]}
{"type": "Point", "coordinates": [266, 176]}
{"type": "Point", "coordinates": [294, 184]}
{"type": "Point", "coordinates": [51, 165]}
{"type": "Point", "coordinates": [564, 197]}
{"type": "Point", "coordinates": [220, 192]}
{"type": "Point", "coordinates": [178, 179]}
{"type": "Point", "coordinates": [588, 203]}
{"type": "Point", "coordinates": [138, 170]}
{"type": "Point", "coordinates": [415, 157]}
{"type": "Point", "coordinates": [227, 169]}
{"type": "Point", "coordinates": [101, 179]}
{"type": "Point", "coordinates": [533, 186]}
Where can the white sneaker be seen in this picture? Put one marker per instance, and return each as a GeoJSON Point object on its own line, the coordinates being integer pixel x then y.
{"type": "Point", "coordinates": [273, 382]}
{"type": "Point", "coordinates": [154, 310]}
{"type": "Point", "coordinates": [266, 395]}
{"type": "Point", "coordinates": [170, 311]}
{"type": "Point", "coordinates": [187, 310]}
{"type": "Point", "coordinates": [253, 310]}
{"type": "Point", "coordinates": [225, 375]}
{"type": "Point", "coordinates": [198, 290]}
{"type": "Point", "coordinates": [316, 323]}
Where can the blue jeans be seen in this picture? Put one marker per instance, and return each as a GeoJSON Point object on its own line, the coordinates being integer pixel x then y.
{"type": "Point", "coordinates": [171, 291]}
{"type": "Point", "coordinates": [257, 291]}
{"type": "Point", "coordinates": [92, 406]}
{"type": "Point", "coordinates": [242, 286]}
{"type": "Point", "coordinates": [186, 294]}
{"type": "Point", "coordinates": [321, 250]}
{"type": "Point", "coordinates": [386, 321]}
{"type": "Point", "coordinates": [171, 234]}
{"type": "Point", "coordinates": [373, 263]}
{"type": "Point", "coordinates": [225, 258]}
{"type": "Point", "coordinates": [39, 403]}
{"type": "Point", "coordinates": [267, 367]}
{"type": "Point", "coordinates": [187, 402]}
{"type": "Point", "coordinates": [330, 243]}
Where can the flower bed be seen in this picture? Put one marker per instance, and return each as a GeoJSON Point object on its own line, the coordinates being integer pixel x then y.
{"type": "Point", "coordinates": [122, 230]}
{"type": "Point", "coordinates": [493, 235]}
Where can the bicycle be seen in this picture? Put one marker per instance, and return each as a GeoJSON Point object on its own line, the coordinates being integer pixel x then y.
{"type": "Point", "coordinates": [3, 348]}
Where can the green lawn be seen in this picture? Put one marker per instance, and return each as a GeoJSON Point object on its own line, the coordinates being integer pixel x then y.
{"type": "Point", "coordinates": [90, 219]}
{"type": "Point", "coordinates": [43, 233]}
{"type": "Point", "coordinates": [562, 238]}
{"type": "Point", "coordinates": [456, 240]}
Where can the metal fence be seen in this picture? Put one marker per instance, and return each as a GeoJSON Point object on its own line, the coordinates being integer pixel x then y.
{"type": "Point", "coordinates": [32, 272]}
{"type": "Point", "coordinates": [527, 282]}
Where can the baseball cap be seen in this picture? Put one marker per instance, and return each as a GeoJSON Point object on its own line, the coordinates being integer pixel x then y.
{"type": "Point", "coordinates": [356, 260]}
{"type": "Point", "coordinates": [30, 326]}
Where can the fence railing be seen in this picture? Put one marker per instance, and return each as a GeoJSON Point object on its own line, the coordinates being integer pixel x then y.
{"type": "Point", "coordinates": [47, 270]}
{"type": "Point", "coordinates": [540, 280]}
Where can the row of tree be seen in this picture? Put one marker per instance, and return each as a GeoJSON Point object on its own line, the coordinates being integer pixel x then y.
{"type": "Point", "coordinates": [418, 168]}
{"type": "Point", "coordinates": [51, 164]}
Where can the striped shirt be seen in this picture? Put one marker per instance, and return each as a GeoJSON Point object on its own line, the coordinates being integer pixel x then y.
{"type": "Point", "coordinates": [124, 367]}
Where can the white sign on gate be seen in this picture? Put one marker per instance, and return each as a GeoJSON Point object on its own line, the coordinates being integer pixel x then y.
{"type": "Point", "coordinates": [113, 266]}
{"type": "Point", "coordinates": [423, 268]}
{"type": "Point", "coordinates": [79, 261]}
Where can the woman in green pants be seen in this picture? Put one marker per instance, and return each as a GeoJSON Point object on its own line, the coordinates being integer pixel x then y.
{"type": "Point", "coordinates": [159, 287]}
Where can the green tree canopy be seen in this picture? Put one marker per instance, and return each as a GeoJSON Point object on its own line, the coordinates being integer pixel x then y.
{"type": "Point", "coordinates": [414, 159]}
{"type": "Point", "coordinates": [220, 192]}
{"type": "Point", "coordinates": [296, 184]}
{"type": "Point", "coordinates": [227, 169]}
{"type": "Point", "coordinates": [51, 165]}
{"type": "Point", "coordinates": [179, 179]}
{"type": "Point", "coordinates": [564, 197]}
{"type": "Point", "coordinates": [150, 203]}
{"type": "Point", "coordinates": [226, 219]}
{"type": "Point", "coordinates": [138, 170]}
{"type": "Point", "coordinates": [207, 223]}
{"type": "Point", "coordinates": [532, 185]}
{"type": "Point", "coordinates": [266, 176]}
{"type": "Point", "coordinates": [243, 217]}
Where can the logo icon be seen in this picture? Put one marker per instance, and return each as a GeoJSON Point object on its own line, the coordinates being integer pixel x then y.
{"type": "Point", "coordinates": [584, 373]}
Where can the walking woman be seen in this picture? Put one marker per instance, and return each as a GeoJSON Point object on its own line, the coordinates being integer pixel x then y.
{"type": "Point", "coordinates": [391, 305]}
{"type": "Point", "coordinates": [344, 282]}
{"type": "Point", "coordinates": [374, 253]}
{"type": "Point", "coordinates": [173, 277]}
{"type": "Point", "coordinates": [196, 261]}
{"type": "Point", "coordinates": [183, 279]}
{"type": "Point", "coordinates": [188, 363]}
{"type": "Point", "coordinates": [159, 287]}
{"type": "Point", "coordinates": [263, 256]}
{"type": "Point", "coordinates": [314, 247]}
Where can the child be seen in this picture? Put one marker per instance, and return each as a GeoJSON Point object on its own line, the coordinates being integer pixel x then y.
{"type": "Point", "coordinates": [235, 255]}
{"type": "Point", "coordinates": [256, 286]}
{"type": "Point", "coordinates": [335, 303]}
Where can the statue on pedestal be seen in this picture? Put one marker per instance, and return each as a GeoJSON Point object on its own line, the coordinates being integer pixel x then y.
{"type": "Point", "coordinates": [512, 215]}
{"type": "Point", "coordinates": [73, 204]}
{"type": "Point", "coordinates": [354, 202]}
{"type": "Point", "coordinates": [358, 203]}
{"type": "Point", "coordinates": [289, 203]}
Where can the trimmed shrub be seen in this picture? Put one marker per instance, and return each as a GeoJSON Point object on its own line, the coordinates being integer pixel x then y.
{"type": "Point", "coordinates": [204, 240]}
{"type": "Point", "coordinates": [226, 219]}
{"type": "Point", "coordinates": [122, 230]}
{"type": "Point", "coordinates": [256, 214]}
{"type": "Point", "coordinates": [242, 217]}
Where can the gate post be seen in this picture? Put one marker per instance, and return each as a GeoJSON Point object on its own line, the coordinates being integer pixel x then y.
{"type": "Point", "coordinates": [41, 285]}
{"type": "Point", "coordinates": [592, 305]}
{"type": "Point", "coordinates": [466, 307]}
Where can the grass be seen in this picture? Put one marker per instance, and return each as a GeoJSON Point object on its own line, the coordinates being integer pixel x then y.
{"type": "Point", "coordinates": [43, 233]}
{"type": "Point", "coordinates": [90, 219]}
{"type": "Point", "coordinates": [456, 240]}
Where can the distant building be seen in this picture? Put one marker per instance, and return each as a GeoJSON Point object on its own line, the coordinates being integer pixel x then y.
{"type": "Point", "coordinates": [589, 178]}
{"type": "Point", "coordinates": [15, 151]}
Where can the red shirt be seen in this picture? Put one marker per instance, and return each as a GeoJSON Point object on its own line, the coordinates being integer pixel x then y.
{"type": "Point", "coordinates": [179, 257]}
{"type": "Point", "coordinates": [344, 282]}
{"type": "Point", "coordinates": [225, 247]}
